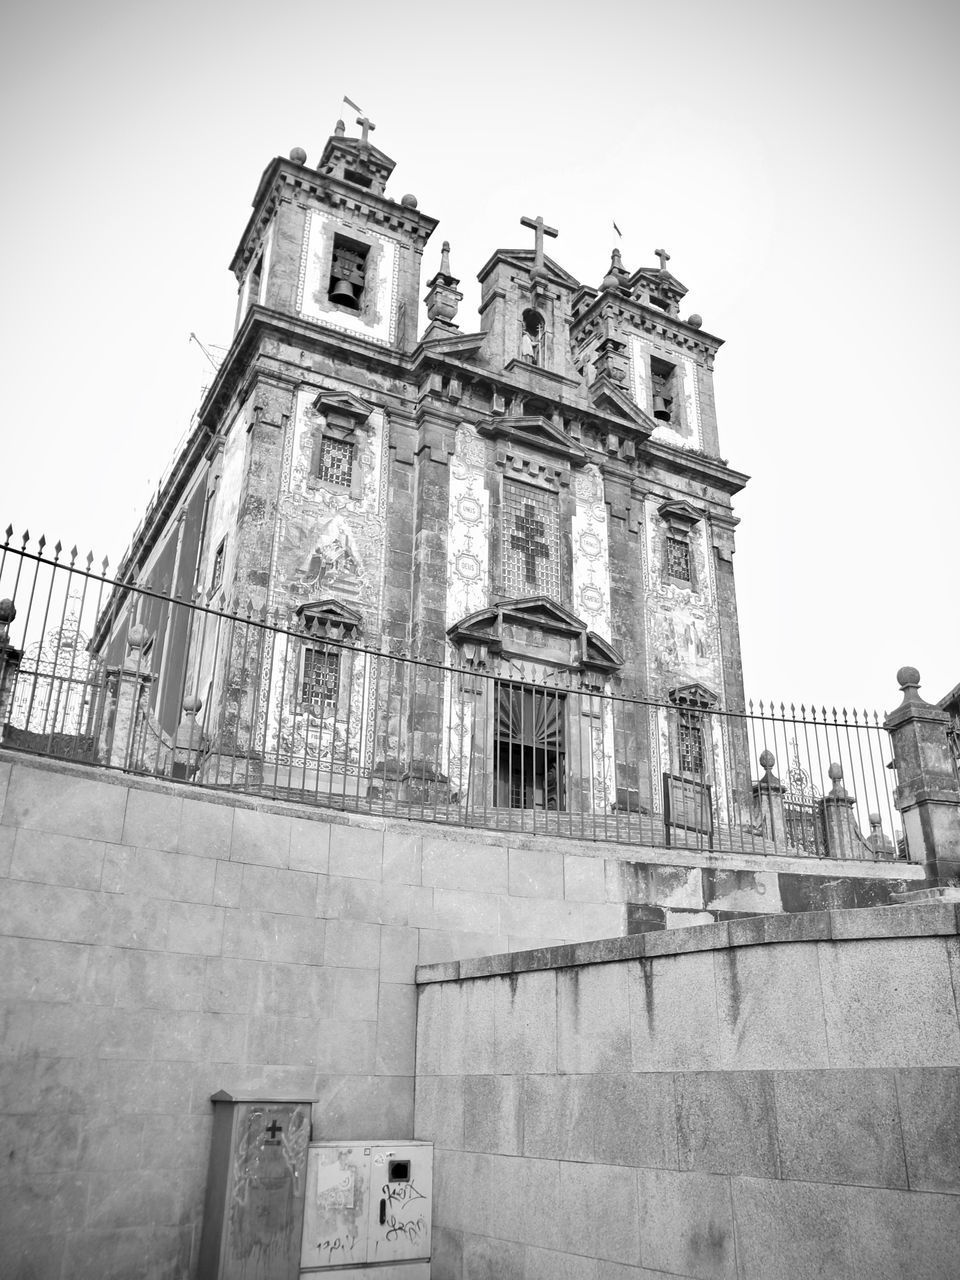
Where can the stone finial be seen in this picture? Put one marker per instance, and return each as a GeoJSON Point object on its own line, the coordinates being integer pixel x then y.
{"type": "Point", "coordinates": [908, 678]}
{"type": "Point", "coordinates": [443, 298]}
{"type": "Point", "coordinates": [298, 155]}
{"type": "Point", "coordinates": [694, 321]}
{"type": "Point", "coordinates": [835, 774]}
{"type": "Point", "coordinates": [767, 760]}
{"type": "Point", "coordinates": [445, 259]}
{"type": "Point", "coordinates": [408, 201]}
{"type": "Point", "coordinates": [339, 129]}
{"type": "Point", "coordinates": [192, 705]}
{"type": "Point", "coordinates": [136, 637]}
{"type": "Point", "coordinates": [615, 273]}
{"type": "Point", "coordinates": [8, 611]}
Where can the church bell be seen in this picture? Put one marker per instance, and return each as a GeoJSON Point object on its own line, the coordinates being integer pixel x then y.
{"type": "Point", "coordinates": [343, 294]}
{"type": "Point", "coordinates": [662, 406]}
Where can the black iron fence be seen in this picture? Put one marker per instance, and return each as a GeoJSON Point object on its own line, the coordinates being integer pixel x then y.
{"type": "Point", "coordinates": [122, 675]}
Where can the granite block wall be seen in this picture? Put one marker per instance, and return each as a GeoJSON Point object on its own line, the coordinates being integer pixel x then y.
{"type": "Point", "coordinates": [766, 1099]}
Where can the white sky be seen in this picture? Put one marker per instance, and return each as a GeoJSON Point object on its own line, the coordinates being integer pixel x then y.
{"type": "Point", "coordinates": [800, 166]}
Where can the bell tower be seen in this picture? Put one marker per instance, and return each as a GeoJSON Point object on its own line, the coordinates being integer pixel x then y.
{"type": "Point", "coordinates": [330, 247]}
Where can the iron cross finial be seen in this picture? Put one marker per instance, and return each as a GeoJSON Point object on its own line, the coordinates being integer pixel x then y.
{"type": "Point", "coordinates": [540, 229]}
{"type": "Point", "coordinates": [663, 256]}
{"type": "Point", "coordinates": [367, 126]}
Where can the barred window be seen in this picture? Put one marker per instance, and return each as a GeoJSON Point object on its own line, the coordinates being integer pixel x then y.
{"type": "Point", "coordinates": [678, 558]}
{"type": "Point", "coordinates": [530, 541]}
{"type": "Point", "coordinates": [321, 678]}
{"type": "Point", "coordinates": [335, 462]}
{"type": "Point", "coordinates": [690, 742]}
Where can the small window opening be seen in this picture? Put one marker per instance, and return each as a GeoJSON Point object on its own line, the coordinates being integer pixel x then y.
{"type": "Point", "coordinates": [321, 678]}
{"type": "Point", "coordinates": [663, 377]}
{"type": "Point", "coordinates": [678, 558]}
{"type": "Point", "coordinates": [690, 744]}
{"type": "Point", "coordinates": [531, 339]}
{"type": "Point", "coordinates": [218, 558]}
{"type": "Point", "coordinates": [358, 179]}
{"type": "Point", "coordinates": [348, 271]}
{"type": "Point", "coordinates": [662, 303]}
{"type": "Point", "coordinates": [335, 462]}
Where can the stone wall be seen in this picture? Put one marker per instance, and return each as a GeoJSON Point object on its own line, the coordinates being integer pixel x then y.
{"type": "Point", "coordinates": [755, 1100]}
{"type": "Point", "coordinates": [161, 942]}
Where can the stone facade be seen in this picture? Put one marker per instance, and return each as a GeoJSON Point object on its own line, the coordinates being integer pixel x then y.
{"type": "Point", "coordinates": [565, 456]}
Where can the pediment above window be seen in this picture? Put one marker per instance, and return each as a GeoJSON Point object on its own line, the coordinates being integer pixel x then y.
{"type": "Point", "coordinates": [535, 629]}
{"type": "Point", "coordinates": [609, 399]}
{"type": "Point", "coordinates": [330, 620]}
{"type": "Point", "coordinates": [534, 432]}
{"type": "Point", "coordinates": [343, 407]}
{"type": "Point", "coordinates": [679, 513]}
{"type": "Point", "coordinates": [694, 697]}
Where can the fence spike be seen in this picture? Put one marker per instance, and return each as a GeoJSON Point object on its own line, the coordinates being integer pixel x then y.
{"type": "Point", "coordinates": [41, 542]}
{"type": "Point", "coordinates": [58, 547]}
{"type": "Point", "coordinates": [89, 559]}
{"type": "Point", "coordinates": [74, 552]}
{"type": "Point", "coordinates": [26, 536]}
{"type": "Point", "coordinates": [9, 532]}
{"type": "Point", "coordinates": [105, 562]}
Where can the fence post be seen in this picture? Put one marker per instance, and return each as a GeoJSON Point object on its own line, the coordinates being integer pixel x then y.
{"type": "Point", "coordinates": [127, 684]}
{"type": "Point", "coordinates": [9, 664]}
{"type": "Point", "coordinates": [840, 820]}
{"type": "Point", "coordinates": [927, 795]}
{"type": "Point", "coordinates": [189, 744]}
{"type": "Point", "coordinates": [768, 803]}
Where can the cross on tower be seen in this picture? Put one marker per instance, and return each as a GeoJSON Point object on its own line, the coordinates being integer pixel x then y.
{"type": "Point", "coordinates": [527, 540]}
{"type": "Point", "coordinates": [367, 126]}
{"type": "Point", "coordinates": [540, 229]}
{"type": "Point", "coordinates": [663, 256]}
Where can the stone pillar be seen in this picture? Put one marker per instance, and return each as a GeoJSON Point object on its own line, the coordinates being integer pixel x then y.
{"type": "Point", "coordinates": [768, 803]}
{"type": "Point", "coordinates": [839, 820]}
{"type": "Point", "coordinates": [9, 665]}
{"type": "Point", "coordinates": [189, 742]}
{"type": "Point", "coordinates": [927, 794]}
{"type": "Point", "coordinates": [126, 686]}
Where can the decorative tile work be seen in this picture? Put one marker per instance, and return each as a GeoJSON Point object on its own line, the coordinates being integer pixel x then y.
{"type": "Point", "coordinates": [530, 540]}
{"type": "Point", "coordinates": [309, 282]}
{"type": "Point", "coordinates": [591, 564]}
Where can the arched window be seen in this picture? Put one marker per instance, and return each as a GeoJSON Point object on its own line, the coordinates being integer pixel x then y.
{"type": "Point", "coordinates": [532, 338]}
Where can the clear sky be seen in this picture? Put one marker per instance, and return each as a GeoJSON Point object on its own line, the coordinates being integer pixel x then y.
{"type": "Point", "coordinates": [800, 166]}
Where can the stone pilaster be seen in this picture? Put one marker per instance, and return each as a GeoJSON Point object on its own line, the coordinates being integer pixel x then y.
{"type": "Point", "coordinates": [927, 795]}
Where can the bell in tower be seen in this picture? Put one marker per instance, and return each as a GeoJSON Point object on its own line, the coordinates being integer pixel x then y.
{"type": "Point", "coordinates": [347, 274]}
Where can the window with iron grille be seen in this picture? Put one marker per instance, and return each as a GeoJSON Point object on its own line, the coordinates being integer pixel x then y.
{"type": "Point", "coordinates": [219, 556]}
{"type": "Point", "coordinates": [678, 558]}
{"type": "Point", "coordinates": [530, 524]}
{"type": "Point", "coordinates": [335, 462]}
{"type": "Point", "coordinates": [690, 744]}
{"type": "Point", "coordinates": [321, 678]}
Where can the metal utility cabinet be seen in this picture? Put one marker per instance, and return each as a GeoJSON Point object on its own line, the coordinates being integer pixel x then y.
{"type": "Point", "coordinates": [367, 1210]}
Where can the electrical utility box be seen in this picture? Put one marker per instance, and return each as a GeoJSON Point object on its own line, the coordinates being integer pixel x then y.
{"type": "Point", "coordinates": [367, 1210]}
{"type": "Point", "coordinates": [254, 1204]}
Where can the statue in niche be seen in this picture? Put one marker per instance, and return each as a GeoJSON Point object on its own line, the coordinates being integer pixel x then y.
{"type": "Point", "coordinates": [532, 338]}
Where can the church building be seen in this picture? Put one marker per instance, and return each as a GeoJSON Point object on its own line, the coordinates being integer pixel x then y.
{"type": "Point", "coordinates": [533, 511]}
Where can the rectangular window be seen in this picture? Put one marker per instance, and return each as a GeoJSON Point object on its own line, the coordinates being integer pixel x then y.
{"type": "Point", "coordinates": [690, 742]}
{"type": "Point", "coordinates": [335, 462]}
{"type": "Point", "coordinates": [530, 529]}
{"type": "Point", "coordinates": [321, 678]}
{"type": "Point", "coordinates": [348, 272]}
{"type": "Point", "coordinates": [663, 380]}
{"type": "Point", "coordinates": [678, 558]}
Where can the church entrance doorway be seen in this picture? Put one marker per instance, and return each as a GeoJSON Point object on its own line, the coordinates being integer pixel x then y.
{"type": "Point", "coordinates": [530, 747]}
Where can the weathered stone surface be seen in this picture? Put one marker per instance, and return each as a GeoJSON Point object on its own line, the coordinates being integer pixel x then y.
{"type": "Point", "coordinates": [727, 1123]}
{"type": "Point", "coordinates": [790, 1230]}
{"type": "Point", "coordinates": [840, 1127]}
{"type": "Point", "coordinates": [768, 1006]}
{"type": "Point", "coordinates": [686, 1224]}
{"type": "Point", "coordinates": [592, 1034]}
{"type": "Point", "coordinates": [929, 1101]}
{"type": "Point", "coordinates": [678, 1031]}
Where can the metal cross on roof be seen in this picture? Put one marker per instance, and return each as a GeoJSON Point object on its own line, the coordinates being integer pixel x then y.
{"type": "Point", "coordinates": [540, 229]}
{"type": "Point", "coordinates": [366, 125]}
{"type": "Point", "coordinates": [663, 256]}
{"type": "Point", "coordinates": [527, 540]}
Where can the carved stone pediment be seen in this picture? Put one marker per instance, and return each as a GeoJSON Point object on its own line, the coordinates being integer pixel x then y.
{"type": "Point", "coordinates": [535, 432]}
{"type": "Point", "coordinates": [330, 620]}
{"type": "Point", "coordinates": [343, 406]}
{"type": "Point", "coordinates": [682, 514]}
{"type": "Point", "coordinates": [535, 629]}
{"type": "Point", "coordinates": [609, 399]}
{"type": "Point", "coordinates": [694, 697]}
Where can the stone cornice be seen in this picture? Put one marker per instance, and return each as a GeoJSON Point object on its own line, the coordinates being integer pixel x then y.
{"type": "Point", "coordinates": [283, 179]}
{"type": "Point", "coordinates": [645, 320]}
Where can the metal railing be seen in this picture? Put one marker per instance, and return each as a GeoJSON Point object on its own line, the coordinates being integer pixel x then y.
{"type": "Point", "coordinates": [122, 675]}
